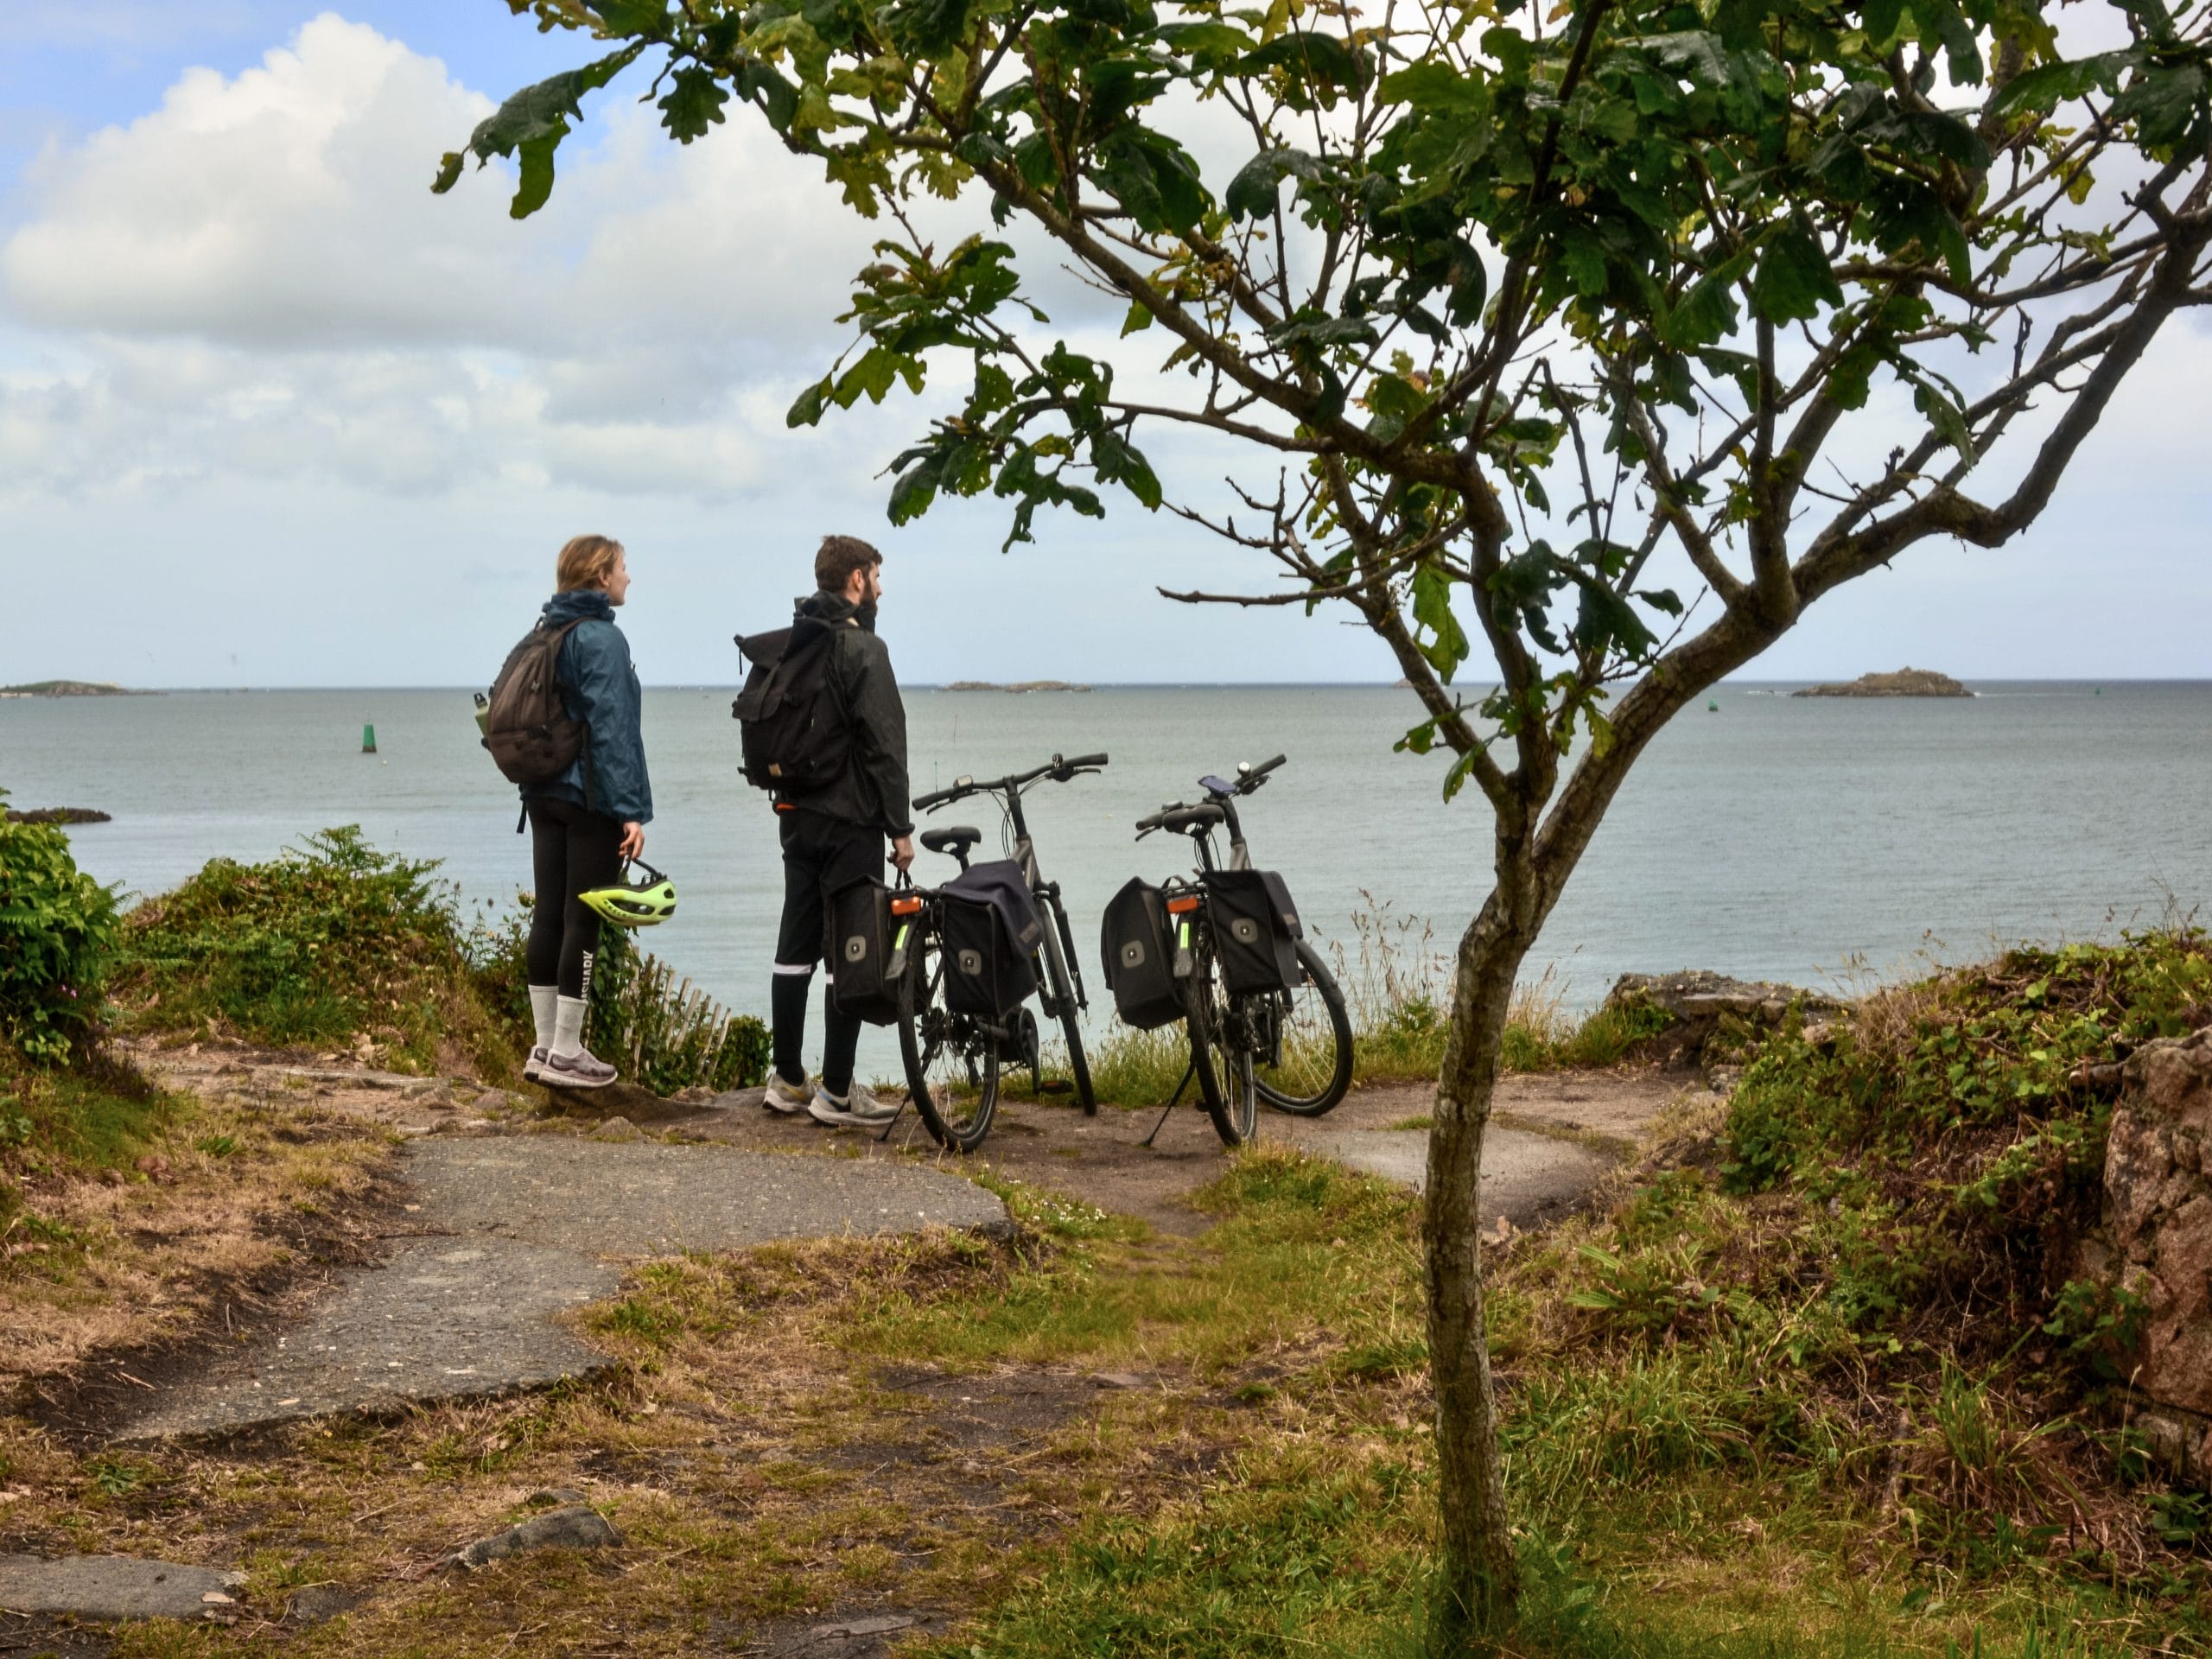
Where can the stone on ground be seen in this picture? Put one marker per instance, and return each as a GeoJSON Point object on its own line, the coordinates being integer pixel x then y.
{"type": "Point", "coordinates": [578, 1527]}
{"type": "Point", "coordinates": [113, 1587]}
{"type": "Point", "coordinates": [1530, 1178]}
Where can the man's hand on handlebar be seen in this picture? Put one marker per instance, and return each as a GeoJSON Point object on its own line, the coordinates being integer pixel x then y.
{"type": "Point", "coordinates": [902, 853]}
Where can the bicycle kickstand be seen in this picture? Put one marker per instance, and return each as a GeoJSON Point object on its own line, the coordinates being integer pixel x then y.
{"type": "Point", "coordinates": [893, 1123]}
{"type": "Point", "coordinates": [1174, 1100]}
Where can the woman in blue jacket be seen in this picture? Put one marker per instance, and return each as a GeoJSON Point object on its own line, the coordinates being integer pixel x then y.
{"type": "Point", "coordinates": [587, 821]}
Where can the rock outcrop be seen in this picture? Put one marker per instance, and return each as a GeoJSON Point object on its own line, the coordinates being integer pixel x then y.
{"type": "Point", "coordinates": [1698, 1003]}
{"type": "Point", "coordinates": [1905, 683]}
{"type": "Point", "coordinates": [2156, 1242]}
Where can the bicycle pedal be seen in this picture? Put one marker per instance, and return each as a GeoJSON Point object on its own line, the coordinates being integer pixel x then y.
{"type": "Point", "coordinates": [1056, 1086]}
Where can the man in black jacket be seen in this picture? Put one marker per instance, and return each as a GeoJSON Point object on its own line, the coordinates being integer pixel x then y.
{"type": "Point", "coordinates": [835, 833]}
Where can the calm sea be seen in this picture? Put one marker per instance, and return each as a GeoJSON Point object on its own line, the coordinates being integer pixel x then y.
{"type": "Point", "coordinates": [1773, 838]}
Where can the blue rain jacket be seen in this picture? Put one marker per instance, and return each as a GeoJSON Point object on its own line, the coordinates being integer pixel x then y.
{"type": "Point", "coordinates": [600, 686]}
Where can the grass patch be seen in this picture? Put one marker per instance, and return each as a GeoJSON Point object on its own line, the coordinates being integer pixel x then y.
{"type": "Point", "coordinates": [1397, 990]}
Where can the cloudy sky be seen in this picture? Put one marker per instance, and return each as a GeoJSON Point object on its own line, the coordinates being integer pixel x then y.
{"type": "Point", "coordinates": [271, 414]}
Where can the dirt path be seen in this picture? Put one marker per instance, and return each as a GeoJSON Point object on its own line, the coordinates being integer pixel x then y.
{"type": "Point", "coordinates": [1554, 1136]}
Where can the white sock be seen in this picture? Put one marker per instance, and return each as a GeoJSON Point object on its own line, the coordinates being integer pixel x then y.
{"type": "Point", "coordinates": [542, 999]}
{"type": "Point", "coordinates": [568, 1024]}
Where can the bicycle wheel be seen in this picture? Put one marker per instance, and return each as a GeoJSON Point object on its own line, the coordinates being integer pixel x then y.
{"type": "Point", "coordinates": [1061, 983]}
{"type": "Point", "coordinates": [952, 1063]}
{"type": "Point", "coordinates": [1224, 1070]}
{"type": "Point", "coordinates": [1315, 1070]}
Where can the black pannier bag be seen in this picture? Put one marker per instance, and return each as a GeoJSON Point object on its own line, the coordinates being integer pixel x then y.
{"type": "Point", "coordinates": [1255, 929]}
{"type": "Point", "coordinates": [991, 927]}
{"type": "Point", "coordinates": [1139, 953]}
{"type": "Point", "coordinates": [868, 950]}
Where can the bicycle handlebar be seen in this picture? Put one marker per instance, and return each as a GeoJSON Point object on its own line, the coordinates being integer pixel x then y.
{"type": "Point", "coordinates": [1058, 768]}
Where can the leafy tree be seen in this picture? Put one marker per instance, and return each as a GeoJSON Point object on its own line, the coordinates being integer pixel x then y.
{"type": "Point", "coordinates": [1511, 310]}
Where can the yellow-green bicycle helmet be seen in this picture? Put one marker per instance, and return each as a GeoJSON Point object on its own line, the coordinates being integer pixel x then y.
{"type": "Point", "coordinates": [645, 902]}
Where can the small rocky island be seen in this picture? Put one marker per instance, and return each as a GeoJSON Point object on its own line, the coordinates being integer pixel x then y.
{"type": "Point", "coordinates": [1018, 685]}
{"type": "Point", "coordinates": [57, 815]}
{"type": "Point", "coordinates": [71, 689]}
{"type": "Point", "coordinates": [1905, 683]}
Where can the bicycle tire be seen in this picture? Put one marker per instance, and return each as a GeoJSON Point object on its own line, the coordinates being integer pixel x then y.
{"type": "Point", "coordinates": [1063, 988]}
{"type": "Point", "coordinates": [1226, 1091]}
{"type": "Point", "coordinates": [931, 1035]}
{"type": "Point", "coordinates": [1287, 1093]}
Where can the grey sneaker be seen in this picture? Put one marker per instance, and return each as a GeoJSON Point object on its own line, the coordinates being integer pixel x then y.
{"type": "Point", "coordinates": [857, 1110]}
{"type": "Point", "coordinates": [581, 1070]}
{"type": "Point", "coordinates": [533, 1069]}
{"type": "Point", "coordinates": [788, 1098]}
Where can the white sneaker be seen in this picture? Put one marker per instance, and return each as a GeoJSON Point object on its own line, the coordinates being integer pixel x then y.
{"type": "Point", "coordinates": [859, 1110]}
{"type": "Point", "coordinates": [533, 1069]}
{"type": "Point", "coordinates": [788, 1098]}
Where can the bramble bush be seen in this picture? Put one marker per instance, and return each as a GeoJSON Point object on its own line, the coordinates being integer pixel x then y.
{"type": "Point", "coordinates": [58, 930]}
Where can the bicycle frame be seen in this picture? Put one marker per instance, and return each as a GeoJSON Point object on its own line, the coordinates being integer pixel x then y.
{"type": "Point", "coordinates": [1008, 791]}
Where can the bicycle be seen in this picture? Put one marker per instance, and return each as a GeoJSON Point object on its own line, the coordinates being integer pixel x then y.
{"type": "Point", "coordinates": [952, 1059]}
{"type": "Point", "coordinates": [1291, 1047]}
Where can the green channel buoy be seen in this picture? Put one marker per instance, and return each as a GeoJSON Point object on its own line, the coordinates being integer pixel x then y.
{"type": "Point", "coordinates": [368, 738]}
{"type": "Point", "coordinates": [1711, 707]}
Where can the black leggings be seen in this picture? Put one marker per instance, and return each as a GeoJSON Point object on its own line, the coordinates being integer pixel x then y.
{"type": "Point", "coordinates": [572, 850]}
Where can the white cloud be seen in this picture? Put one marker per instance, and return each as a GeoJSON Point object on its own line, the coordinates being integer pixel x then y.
{"type": "Point", "coordinates": [255, 279]}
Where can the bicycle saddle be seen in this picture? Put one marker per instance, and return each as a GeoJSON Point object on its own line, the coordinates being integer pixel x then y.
{"type": "Point", "coordinates": [1183, 819]}
{"type": "Point", "coordinates": [954, 838]}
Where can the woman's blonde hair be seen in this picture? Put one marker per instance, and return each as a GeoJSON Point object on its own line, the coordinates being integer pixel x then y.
{"type": "Point", "coordinates": [587, 562]}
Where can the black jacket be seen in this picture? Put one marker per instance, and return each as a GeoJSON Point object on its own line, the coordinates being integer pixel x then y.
{"type": "Point", "coordinates": [873, 790]}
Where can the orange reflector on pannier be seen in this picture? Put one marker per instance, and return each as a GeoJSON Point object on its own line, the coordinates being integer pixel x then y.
{"type": "Point", "coordinates": [905, 906]}
{"type": "Point", "coordinates": [1183, 903]}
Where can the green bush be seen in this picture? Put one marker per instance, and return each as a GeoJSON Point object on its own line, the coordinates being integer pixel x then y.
{"type": "Point", "coordinates": [324, 942]}
{"type": "Point", "coordinates": [58, 929]}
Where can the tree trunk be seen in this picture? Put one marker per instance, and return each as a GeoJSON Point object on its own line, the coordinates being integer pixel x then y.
{"type": "Point", "coordinates": [1479, 1576]}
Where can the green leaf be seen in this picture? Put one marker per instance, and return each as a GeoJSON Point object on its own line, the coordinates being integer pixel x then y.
{"type": "Point", "coordinates": [1446, 646]}
{"type": "Point", "coordinates": [1119, 461]}
{"type": "Point", "coordinates": [1794, 279]}
{"type": "Point", "coordinates": [1137, 320]}
{"type": "Point", "coordinates": [1707, 312]}
{"type": "Point", "coordinates": [2049, 85]}
{"type": "Point", "coordinates": [2163, 102]}
{"type": "Point", "coordinates": [807, 410]}
{"type": "Point", "coordinates": [694, 104]}
{"type": "Point", "coordinates": [1455, 778]}
{"type": "Point", "coordinates": [530, 124]}
{"type": "Point", "coordinates": [1431, 85]}
{"type": "Point", "coordinates": [448, 172]}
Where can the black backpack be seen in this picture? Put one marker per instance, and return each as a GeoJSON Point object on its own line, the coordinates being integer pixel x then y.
{"type": "Point", "coordinates": [527, 727]}
{"type": "Point", "coordinates": [791, 728]}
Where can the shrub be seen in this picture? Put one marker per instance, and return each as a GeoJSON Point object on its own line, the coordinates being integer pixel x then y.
{"type": "Point", "coordinates": [58, 929]}
{"type": "Point", "coordinates": [324, 942]}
